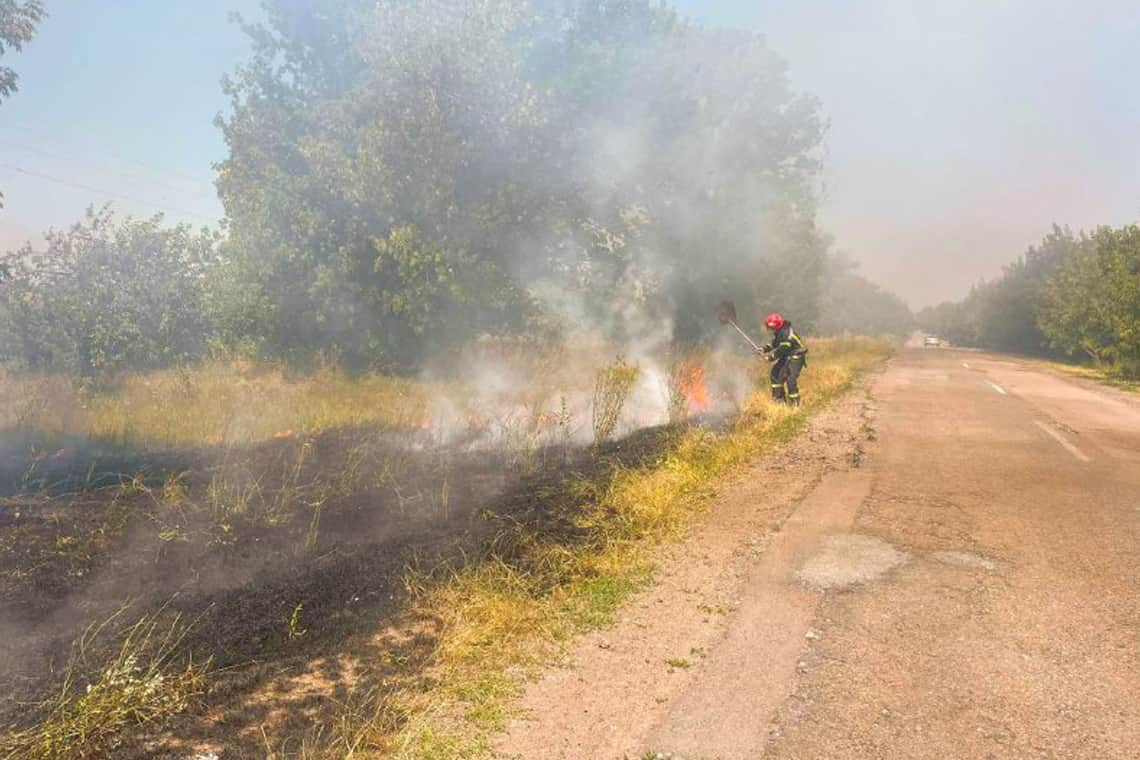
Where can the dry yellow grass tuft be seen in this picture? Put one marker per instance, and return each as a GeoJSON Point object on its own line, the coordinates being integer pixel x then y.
{"type": "Point", "coordinates": [143, 682]}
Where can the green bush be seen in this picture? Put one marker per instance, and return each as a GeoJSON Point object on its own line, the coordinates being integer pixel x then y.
{"type": "Point", "coordinates": [108, 295]}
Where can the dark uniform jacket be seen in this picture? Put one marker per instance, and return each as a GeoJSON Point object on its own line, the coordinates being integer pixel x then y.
{"type": "Point", "coordinates": [786, 344]}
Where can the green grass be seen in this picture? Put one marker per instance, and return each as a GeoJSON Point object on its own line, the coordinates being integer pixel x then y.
{"type": "Point", "coordinates": [1097, 374]}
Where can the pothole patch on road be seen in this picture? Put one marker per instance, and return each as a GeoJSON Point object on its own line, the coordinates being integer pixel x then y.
{"type": "Point", "coordinates": [966, 560]}
{"type": "Point", "coordinates": [850, 559]}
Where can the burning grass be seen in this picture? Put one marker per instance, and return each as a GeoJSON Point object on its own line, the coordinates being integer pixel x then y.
{"type": "Point", "coordinates": [688, 390]}
{"type": "Point", "coordinates": [504, 616]}
{"type": "Point", "coordinates": [407, 583]}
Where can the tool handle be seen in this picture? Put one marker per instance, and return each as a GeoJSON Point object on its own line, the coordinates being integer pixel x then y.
{"type": "Point", "coordinates": [750, 341]}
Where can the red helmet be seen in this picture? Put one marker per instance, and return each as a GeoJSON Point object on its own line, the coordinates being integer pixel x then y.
{"type": "Point", "coordinates": [774, 321]}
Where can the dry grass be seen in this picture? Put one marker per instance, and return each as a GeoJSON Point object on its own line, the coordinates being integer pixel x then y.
{"type": "Point", "coordinates": [612, 386]}
{"type": "Point", "coordinates": [1097, 374]}
{"type": "Point", "coordinates": [684, 375]}
{"type": "Point", "coordinates": [237, 402]}
{"type": "Point", "coordinates": [213, 404]}
{"type": "Point", "coordinates": [499, 617]}
{"type": "Point", "coordinates": [504, 617]}
{"type": "Point", "coordinates": [143, 682]}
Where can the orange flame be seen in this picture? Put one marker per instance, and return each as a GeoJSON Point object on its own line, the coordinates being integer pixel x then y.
{"type": "Point", "coordinates": [691, 379]}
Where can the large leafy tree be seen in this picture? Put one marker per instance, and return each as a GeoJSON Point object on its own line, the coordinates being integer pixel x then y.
{"type": "Point", "coordinates": [404, 174]}
{"type": "Point", "coordinates": [368, 147]}
{"type": "Point", "coordinates": [1092, 305]}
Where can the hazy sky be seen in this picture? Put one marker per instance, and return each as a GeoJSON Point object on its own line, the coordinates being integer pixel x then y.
{"type": "Point", "coordinates": [959, 130]}
{"type": "Point", "coordinates": [117, 97]}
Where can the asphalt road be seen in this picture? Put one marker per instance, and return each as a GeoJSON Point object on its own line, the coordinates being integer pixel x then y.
{"type": "Point", "coordinates": [1014, 629]}
{"type": "Point", "coordinates": [964, 585]}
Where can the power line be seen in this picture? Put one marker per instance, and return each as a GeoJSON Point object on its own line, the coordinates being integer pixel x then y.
{"type": "Point", "coordinates": [158, 170]}
{"type": "Point", "coordinates": [100, 191]}
{"type": "Point", "coordinates": [198, 193]}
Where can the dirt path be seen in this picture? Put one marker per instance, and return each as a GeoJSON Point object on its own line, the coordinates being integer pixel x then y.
{"type": "Point", "coordinates": [970, 590]}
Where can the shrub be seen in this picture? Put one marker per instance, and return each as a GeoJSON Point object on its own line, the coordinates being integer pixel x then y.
{"type": "Point", "coordinates": [612, 386]}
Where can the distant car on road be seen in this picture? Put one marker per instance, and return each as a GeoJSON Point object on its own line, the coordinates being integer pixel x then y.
{"type": "Point", "coordinates": [930, 340]}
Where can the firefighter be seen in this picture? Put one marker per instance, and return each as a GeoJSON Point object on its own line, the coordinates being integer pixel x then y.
{"type": "Point", "coordinates": [788, 355]}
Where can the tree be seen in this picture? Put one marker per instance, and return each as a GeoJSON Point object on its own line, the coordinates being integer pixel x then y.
{"type": "Point", "coordinates": [852, 304]}
{"type": "Point", "coordinates": [17, 25]}
{"type": "Point", "coordinates": [954, 321]}
{"type": "Point", "coordinates": [1005, 314]}
{"type": "Point", "coordinates": [1092, 305]}
{"type": "Point", "coordinates": [603, 160]}
{"type": "Point", "coordinates": [18, 21]}
{"type": "Point", "coordinates": [1008, 308]}
{"type": "Point", "coordinates": [1075, 295]}
{"type": "Point", "coordinates": [108, 295]}
{"type": "Point", "coordinates": [370, 153]}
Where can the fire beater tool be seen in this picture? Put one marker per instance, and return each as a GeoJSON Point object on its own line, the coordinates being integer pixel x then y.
{"type": "Point", "coordinates": [727, 316]}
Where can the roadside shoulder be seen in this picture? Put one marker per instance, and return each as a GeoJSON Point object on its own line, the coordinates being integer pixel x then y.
{"type": "Point", "coordinates": [624, 680]}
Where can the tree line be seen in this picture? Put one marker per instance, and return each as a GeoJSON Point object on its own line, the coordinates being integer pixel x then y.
{"type": "Point", "coordinates": [404, 176]}
{"type": "Point", "coordinates": [1075, 295]}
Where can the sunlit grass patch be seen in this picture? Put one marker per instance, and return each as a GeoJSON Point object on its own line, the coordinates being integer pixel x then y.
{"type": "Point", "coordinates": [213, 404]}
{"type": "Point", "coordinates": [1097, 374]}
{"type": "Point", "coordinates": [235, 402]}
{"type": "Point", "coordinates": [593, 600]}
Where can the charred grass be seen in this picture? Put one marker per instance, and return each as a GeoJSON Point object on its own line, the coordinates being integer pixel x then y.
{"type": "Point", "coordinates": [353, 592]}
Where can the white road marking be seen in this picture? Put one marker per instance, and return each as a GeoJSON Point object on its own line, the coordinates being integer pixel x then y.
{"type": "Point", "coordinates": [1064, 442]}
{"type": "Point", "coordinates": [997, 388]}
{"type": "Point", "coordinates": [966, 365]}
